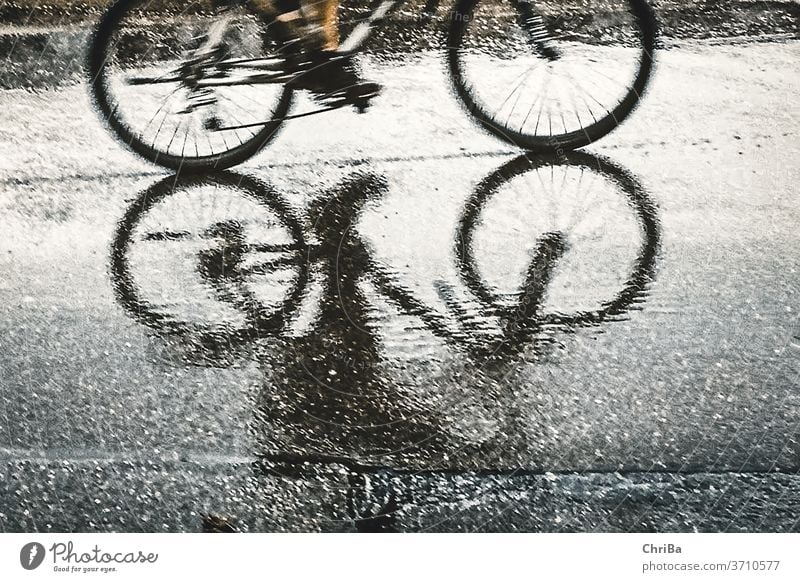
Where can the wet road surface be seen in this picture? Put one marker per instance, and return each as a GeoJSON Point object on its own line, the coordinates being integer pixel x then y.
{"type": "Point", "coordinates": [394, 313]}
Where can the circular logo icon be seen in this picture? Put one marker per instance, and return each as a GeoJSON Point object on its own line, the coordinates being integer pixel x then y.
{"type": "Point", "coordinates": [31, 555]}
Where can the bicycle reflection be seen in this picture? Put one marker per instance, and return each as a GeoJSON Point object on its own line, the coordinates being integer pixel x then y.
{"type": "Point", "coordinates": [326, 398]}
{"type": "Point", "coordinates": [222, 270]}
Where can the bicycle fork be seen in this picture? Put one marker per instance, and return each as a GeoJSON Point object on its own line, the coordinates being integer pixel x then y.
{"type": "Point", "coordinates": [533, 25]}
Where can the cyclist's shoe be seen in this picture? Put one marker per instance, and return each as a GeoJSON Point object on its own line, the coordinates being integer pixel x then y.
{"type": "Point", "coordinates": [332, 78]}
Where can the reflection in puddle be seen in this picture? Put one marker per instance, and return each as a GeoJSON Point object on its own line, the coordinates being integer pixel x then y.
{"type": "Point", "coordinates": [225, 270]}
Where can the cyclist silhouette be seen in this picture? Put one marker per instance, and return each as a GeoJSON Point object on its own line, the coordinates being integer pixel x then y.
{"type": "Point", "coordinates": [329, 395]}
{"type": "Point", "coordinates": [334, 397]}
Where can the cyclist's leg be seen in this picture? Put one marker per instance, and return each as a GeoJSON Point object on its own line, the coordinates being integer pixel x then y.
{"type": "Point", "coordinates": [285, 21]}
{"type": "Point", "coordinates": [331, 25]}
{"type": "Point", "coordinates": [308, 24]}
{"type": "Point", "coordinates": [323, 19]}
{"type": "Point", "coordinates": [310, 28]}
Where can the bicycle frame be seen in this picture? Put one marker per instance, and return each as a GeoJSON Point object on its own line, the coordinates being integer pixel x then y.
{"type": "Point", "coordinates": [261, 71]}
{"type": "Point", "coordinates": [518, 323]}
{"type": "Point", "coordinates": [361, 32]}
{"type": "Point", "coordinates": [201, 72]}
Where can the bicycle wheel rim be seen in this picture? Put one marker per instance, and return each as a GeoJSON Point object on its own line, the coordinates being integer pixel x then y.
{"type": "Point", "coordinates": [637, 31]}
{"type": "Point", "coordinates": [224, 152]}
{"type": "Point", "coordinates": [642, 269]}
{"type": "Point", "coordinates": [260, 322]}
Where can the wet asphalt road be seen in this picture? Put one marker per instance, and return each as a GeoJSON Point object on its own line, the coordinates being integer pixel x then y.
{"type": "Point", "coordinates": [656, 388]}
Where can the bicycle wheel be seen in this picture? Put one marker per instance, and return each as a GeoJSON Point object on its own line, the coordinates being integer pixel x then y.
{"type": "Point", "coordinates": [171, 94]}
{"type": "Point", "coordinates": [217, 260]}
{"type": "Point", "coordinates": [601, 226]}
{"type": "Point", "coordinates": [551, 75]}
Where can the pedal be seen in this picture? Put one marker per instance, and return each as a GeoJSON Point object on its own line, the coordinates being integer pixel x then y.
{"type": "Point", "coordinates": [336, 99]}
{"type": "Point", "coordinates": [359, 101]}
{"type": "Point", "coordinates": [362, 102]}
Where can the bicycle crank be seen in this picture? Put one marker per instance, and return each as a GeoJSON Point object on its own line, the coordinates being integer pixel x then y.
{"type": "Point", "coordinates": [332, 101]}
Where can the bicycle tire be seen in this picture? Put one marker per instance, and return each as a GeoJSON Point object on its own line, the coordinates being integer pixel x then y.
{"type": "Point", "coordinates": [644, 209]}
{"type": "Point", "coordinates": [260, 323]}
{"type": "Point", "coordinates": [461, 17]}
{"type": "Point", "coordinates": [98, 58]}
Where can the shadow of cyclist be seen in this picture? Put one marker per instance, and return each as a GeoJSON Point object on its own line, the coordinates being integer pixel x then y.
{"type": "Point", "coordinates": [331, 397]}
